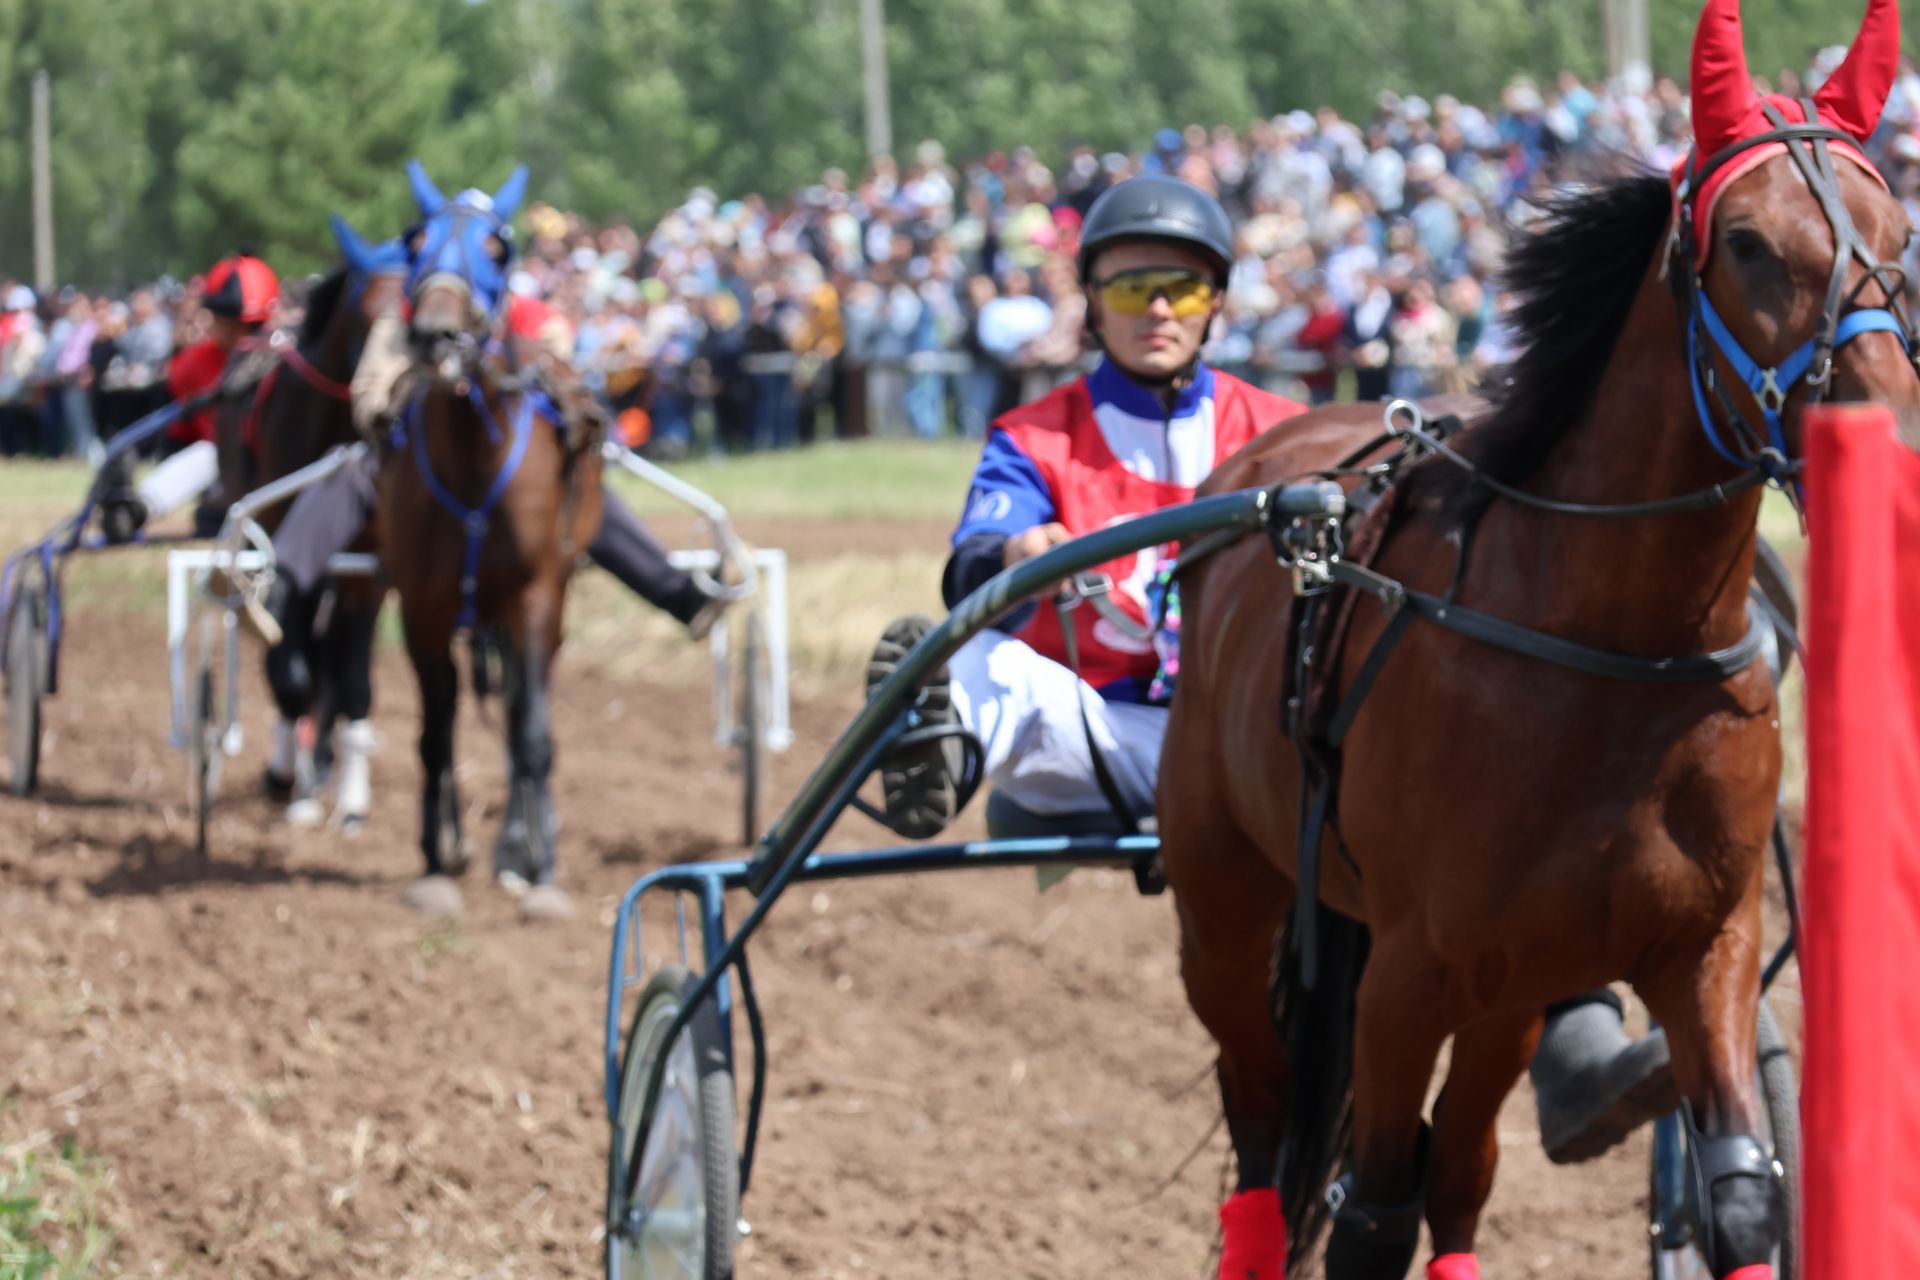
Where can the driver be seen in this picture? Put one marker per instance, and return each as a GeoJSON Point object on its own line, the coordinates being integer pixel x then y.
{"type": "Point", "coordinates": [1135, 435]}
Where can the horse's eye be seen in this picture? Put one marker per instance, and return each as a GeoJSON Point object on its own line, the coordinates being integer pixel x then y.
{"type": "Point", "coordinates": [1748, 247]}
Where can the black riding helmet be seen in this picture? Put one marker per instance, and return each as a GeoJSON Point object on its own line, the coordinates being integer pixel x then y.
{"type": "Point", "coordinates": [1156, 207]}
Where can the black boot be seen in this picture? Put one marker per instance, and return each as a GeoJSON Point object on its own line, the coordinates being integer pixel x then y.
{"type": "Point", "coordinates": [290, 676]}
{"type": "Point", "coordinates": [289, 668]}
{"type": "Point", "coordinates": [924, 778]}
{"type": "Point", "coordinates": [1594, 1085]}
{"type": "Point", "coordinates": [122, 513]}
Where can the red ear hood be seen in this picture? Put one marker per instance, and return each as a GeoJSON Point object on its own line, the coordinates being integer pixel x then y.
{"type": "Point", "coordinates": [1726, 110]}
{"type": "Point", "coordinates": [1723, 98]}
{"type": "Point", "coordinates": [1856, 93]}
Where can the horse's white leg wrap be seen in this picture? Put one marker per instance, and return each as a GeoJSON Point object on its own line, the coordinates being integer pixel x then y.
{"type": "Point", "coordinates": [355, 797]}
{"type": "Point", "coordinates": [286, 746]}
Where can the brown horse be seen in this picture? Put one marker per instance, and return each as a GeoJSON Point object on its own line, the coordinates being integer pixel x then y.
{"type": "Point", "coordinates": [486, 497]}
{"type": "Point", "coordinates": [300, 411]}
{"type": "Point", "coordinates": [1507, 831]}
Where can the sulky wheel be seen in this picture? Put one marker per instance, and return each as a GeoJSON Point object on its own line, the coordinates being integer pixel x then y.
{"type": "Point", "coordinates": [750, 735]}
{"type": "Point", "coordinates": [26, 686]}
{"type": "Point", "coordinates": [206, 740]}
{"type": "Point", "coordinates": [1675, 1255]}
{"type": "Point", "coordinates": [680, 1219]}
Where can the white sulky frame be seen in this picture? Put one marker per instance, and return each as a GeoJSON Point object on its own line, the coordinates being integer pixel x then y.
{"type": "Point", "coordinates": [763, 584]}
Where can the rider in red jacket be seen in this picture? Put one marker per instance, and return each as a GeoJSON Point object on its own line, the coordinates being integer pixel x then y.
{"type": "Point", "coordinates": [240, 293]}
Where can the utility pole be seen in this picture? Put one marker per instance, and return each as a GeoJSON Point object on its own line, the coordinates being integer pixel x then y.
{"type": "Point", "coordinates": [43, 277]}
{"type": "Point", "coordinates": [1629, 55]}
{"type": "Point", "coordinates": [873, 55]}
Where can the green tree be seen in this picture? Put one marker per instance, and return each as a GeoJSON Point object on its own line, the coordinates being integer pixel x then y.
{"type": "Point", "coordinates": [356, 89]}
{"type": "Point", "coordinates": [181, 130]}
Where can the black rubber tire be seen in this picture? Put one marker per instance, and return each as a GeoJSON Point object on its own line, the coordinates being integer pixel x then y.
{"type": "Point", "coordinates": [1775, 581]}
{"type": "Point", "coordinates": [26, 686]}
{"type": "Point", "coordinates": [751, 733]}
{"type": "Point", "coordinates": [203, 742]}
{"type": "Point", "coordinates": [1780, 1095]}
{"type": "Point", "coordinates": [718, 1155]}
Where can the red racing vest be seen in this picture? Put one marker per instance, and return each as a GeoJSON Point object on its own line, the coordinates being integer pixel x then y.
{"type": "Point", "coordinates": [1076, 435]}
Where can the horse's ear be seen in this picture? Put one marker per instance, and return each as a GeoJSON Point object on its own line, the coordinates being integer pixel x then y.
{"type": "Point", "coordinates": [506, 201]}
{"type": "Point", "coordinates": [358, 253]}
{"type": "Point", "coordinates": [1721, 88]}
{"type": "Point", "coordinates": [425, 194]}
{"type": "Point", "coordinates": [389, 258]}
{"type": "Point", "coordinates": [1856, 93]}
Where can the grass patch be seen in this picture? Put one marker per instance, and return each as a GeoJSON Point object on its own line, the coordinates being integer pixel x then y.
{"type": "Point", "coordinates": [906, 480]}
{"type": "Point", "coordinates": [61, 484]}
{"type": "Point", "coordinates": [441, 939]}
{"type": "Point", "coordinates": [837, 607]}
{"type": "Point", "coordinates": [50, 1222]}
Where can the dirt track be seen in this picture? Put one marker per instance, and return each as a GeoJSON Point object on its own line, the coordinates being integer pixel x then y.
{"type": "Point", "coordinates": [289, 1075]}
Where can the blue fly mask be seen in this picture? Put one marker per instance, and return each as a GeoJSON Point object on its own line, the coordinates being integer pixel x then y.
{"type": "Point", "coordinates": [366, 260]}
{"type": "Point", "coordinates": [463, 245]}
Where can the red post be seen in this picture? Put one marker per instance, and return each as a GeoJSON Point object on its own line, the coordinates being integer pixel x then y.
{"type": "Point", "coordinates": [1860, 955]}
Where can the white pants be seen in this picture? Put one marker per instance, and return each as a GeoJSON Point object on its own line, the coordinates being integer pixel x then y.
{"type": "Point", "coordinates": [1023, 708]}
{"type": "Point", "coordinates": [180, 479]}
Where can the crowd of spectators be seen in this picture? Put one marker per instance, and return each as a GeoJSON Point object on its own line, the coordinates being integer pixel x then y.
{"type": "Point", "coordinates": [924, 296]}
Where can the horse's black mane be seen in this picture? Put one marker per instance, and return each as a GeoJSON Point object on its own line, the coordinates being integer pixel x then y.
{"type": "Point", "coordinates": [1575, 274]}
{"type": "Point", "coordinates": [322, 301]}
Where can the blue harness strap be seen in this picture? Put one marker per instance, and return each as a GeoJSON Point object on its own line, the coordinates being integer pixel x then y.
{"type": "Point", "coordinates": [477, 519]}
{"type": "Point", "coordinates": [1771, 386]}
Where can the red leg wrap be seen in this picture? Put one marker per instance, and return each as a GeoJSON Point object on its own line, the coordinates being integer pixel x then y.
{"type": "Point", "coordinates": [1253, 1237]}
{"type": "Point", "coordinates": [1454, 1266]}
{"type": "Point", "coordinates": [1758, 1271]}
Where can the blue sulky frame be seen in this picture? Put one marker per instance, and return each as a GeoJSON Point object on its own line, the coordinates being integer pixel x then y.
{"type": "Point", "coordinates": [49, 554]}
{"type": "Point", "coordinates": [787, 853]}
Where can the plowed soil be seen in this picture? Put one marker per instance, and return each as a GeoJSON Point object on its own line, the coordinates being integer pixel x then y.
{"type": "Point", "coordinates": [286, 1073]}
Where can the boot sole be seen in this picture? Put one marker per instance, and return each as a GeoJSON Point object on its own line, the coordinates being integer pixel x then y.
{"type": "Point", "coordinates": [919, 788]}
{"type": "Point", "coordinates": [1643, 1102]}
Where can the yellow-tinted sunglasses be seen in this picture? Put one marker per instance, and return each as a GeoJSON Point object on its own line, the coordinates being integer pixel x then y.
{"type": "Point", "coordinates": [1131, 293]}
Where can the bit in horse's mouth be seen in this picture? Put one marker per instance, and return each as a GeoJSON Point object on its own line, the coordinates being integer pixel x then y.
{"type": "Point", "coordinates": [449, 357]}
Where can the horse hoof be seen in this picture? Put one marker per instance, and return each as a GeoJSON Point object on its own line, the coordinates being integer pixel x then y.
{"type": "Point", "coordinates": [278, 789]}
{"type": "Point", "coordinates": [350, 824]}
{"type": "Point", "coordinates": [306, 813]}
{"type": "Point", "coordinates": [513, 882]}
{"type": "Point", "coordinates": [433, 896]}
{"type": "Point", "coordinates": [546, 902]}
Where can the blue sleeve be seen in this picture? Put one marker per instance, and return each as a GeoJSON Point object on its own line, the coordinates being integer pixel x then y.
{"type": "Point", "coordinates": [971, 565]}
{"type": "Point", "coordinates": [1008, 496]}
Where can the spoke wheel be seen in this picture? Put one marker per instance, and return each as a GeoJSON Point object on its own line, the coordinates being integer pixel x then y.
{"type": "Point", "coordinates": [750, 735]}
{"type": "Point", "coordinates": [680, 1219]}
{"type": "Point", "coordinates": [26, 686]}
{"type": "Point", "coordinates": [206, 747]}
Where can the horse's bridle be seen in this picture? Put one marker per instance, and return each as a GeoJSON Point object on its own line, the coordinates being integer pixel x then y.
{"type": "Point", "coordinates": [1841, 319]}
{"type": "Point", "coordinates": [452, 248]}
